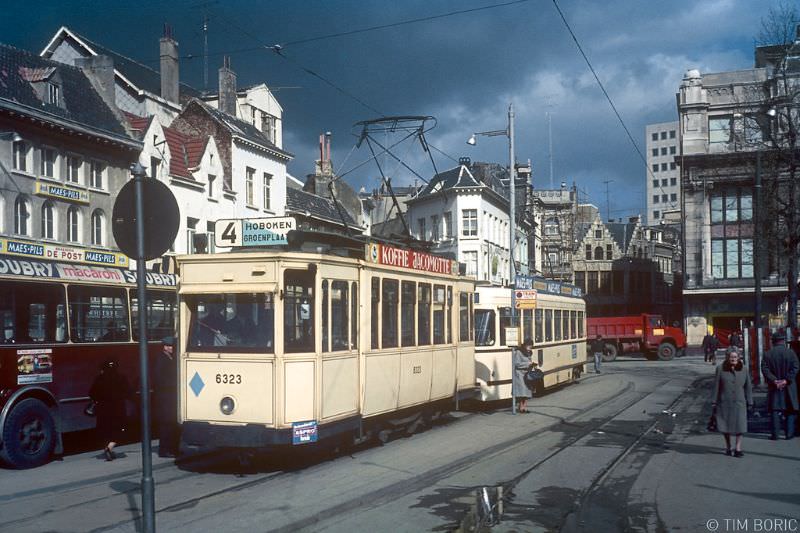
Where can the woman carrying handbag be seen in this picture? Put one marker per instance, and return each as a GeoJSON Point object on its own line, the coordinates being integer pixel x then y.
{"type": "Point", "coordinates": [733, 397]}
{"type": "Point", "coordinates": [109, 392]}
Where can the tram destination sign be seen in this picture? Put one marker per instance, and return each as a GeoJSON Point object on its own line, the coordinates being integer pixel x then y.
{"type": "Point", "coordinates": [383, 254]}
{"type": "Point", "coordinates": [270, 231]}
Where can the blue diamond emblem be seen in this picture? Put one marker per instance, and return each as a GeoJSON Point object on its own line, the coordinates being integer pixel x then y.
{"type": "Point", "coordinates": [196, 384]}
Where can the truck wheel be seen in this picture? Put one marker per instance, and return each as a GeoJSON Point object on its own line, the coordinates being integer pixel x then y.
{"type": "Point", "coordinates": [29, 435]}
{"type": "Point", "coordinates": [666, 351]}
{"type": "Point", "coordinates": [610, 353]}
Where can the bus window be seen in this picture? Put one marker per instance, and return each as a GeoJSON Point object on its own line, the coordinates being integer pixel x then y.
{"type": "Point", "coordinates": [339, 315]}
{"type": "Point", "coordinates": [506, 321]}
{"type": "Point", "coordinates": [449, 315]}
{"type": "Point", "coordinates": [407, 318]}
{"type": "Point", "coordinates": [231, 322]}
{"type": "Point", "coordinates": [390, 298]}
{"type": "Point", "coordinates": [463, 316]}
{"type": "Point", "coordinates": [527, 323]}
{"type": "Point", "coordinates": [484, 327]}
{"type": "Point", "coordinates": [98, 314]}
{"type": "Point", "coordinates": [424, 314]}
{"type": "Point", "coordinates": [324, 318]}
{"type": "Point", "coordinates": [565, 325]}
{"type": "Point", "coordinates": [32, 313]}
{"type": "Point", "coordinates": [375, 311]}
{"type": "Point", "coordinates": [573, 326]}
{"type": "Point", "coordinates": [538, 325]}
{"type": "Point", "coordinates": [580, 324]}
{"type": "Point", "coordinates": [354, 316]}
{"type": "Point", "coordinates": [439, 323]}
{"type": "Point", "coordinates": [548, 325]}
{"type": "Point", "coordinates": [557, 324]}
{"type": "Point", "coordinates": [161, 311]}
{"type": "Point", "coordinates": [298, 311]}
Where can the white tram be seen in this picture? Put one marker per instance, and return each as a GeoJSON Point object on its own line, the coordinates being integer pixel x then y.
{"type": "Point", "coordinates": [553, 314]}
{"type": "Point", "coordinates": [287, 347]}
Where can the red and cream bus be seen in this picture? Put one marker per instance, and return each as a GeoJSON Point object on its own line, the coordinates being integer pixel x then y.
{"type": "Point", "coordinates": [58, 323]}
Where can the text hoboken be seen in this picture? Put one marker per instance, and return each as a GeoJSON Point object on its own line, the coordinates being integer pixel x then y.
{"type": "Point", "coordinates": [416, 260]}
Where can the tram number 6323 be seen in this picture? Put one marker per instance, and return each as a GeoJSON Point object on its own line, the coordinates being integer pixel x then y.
{"type": "Point", "coordinates": [229, 379]}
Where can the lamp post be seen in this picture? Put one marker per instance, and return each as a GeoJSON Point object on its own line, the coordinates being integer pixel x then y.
{"type": "Point", "coordinates": [512, 172]}
{"type": "Point", "coordinates": [508, 132]}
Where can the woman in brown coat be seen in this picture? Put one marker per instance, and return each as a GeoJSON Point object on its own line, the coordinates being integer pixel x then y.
{"type": "Point", "coordinates": [733, 396]}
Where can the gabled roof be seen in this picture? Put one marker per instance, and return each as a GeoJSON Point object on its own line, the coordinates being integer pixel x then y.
{"type": "Point", "coordinates": [243, 129]}
{"type": "Point", "coordinates": [81, 105]}
{"type": "Point", "coordinates": [581, 230]}
{"type": "Point", "coordinates": [138, 124]}
{"type": "Point", "coordinates": [622, 233]}
{"type": "Point", "coordinates": [476, 174]}
{"type": "Point", "coordinates": [302, 202]}
{"type": "Point", "coordinates": [185, 151]}
{"type": "Point", "coordinates": [142, 77]}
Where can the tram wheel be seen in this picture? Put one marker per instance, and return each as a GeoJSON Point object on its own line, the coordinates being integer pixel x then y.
{"type": "Point", "coordinates": [29, 435]}
{"type": "Point", "coordinates": [576, 373]}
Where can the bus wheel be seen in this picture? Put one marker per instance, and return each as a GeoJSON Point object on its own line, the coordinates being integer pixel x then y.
{"type": "Point", "coordinates": [29, 435]}
{"type": "Point", "coordinates": [666, 351]}
{"type": "Point", "coordinates": [610, 353]}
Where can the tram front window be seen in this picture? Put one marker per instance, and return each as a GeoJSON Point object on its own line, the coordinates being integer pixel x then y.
{"type": "Point", "coordinates": [232, 322]}
{"type": "Point", "coordinates": [484, 327]}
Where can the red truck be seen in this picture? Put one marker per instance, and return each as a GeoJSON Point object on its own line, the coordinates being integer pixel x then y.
{"type": "Point", "coordinates": [638, 333]}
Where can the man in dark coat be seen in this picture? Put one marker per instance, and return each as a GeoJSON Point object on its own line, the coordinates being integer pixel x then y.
{"type": "Point", "coordinates": [780, 367]}
{"type": "Point", "coordinates": [597, 348]}
{"type": "Point", "coordinates": [710, 345]}
{"type": "Point", "coordinates": [165, 400]}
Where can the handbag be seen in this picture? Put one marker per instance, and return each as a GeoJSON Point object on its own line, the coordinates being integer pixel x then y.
{"type": "Point", "coordinates": [90, 409]}
{"type": "Point", "coordinates": [532, 376]}
{"type": "Point", "coordinates": [712, 421]}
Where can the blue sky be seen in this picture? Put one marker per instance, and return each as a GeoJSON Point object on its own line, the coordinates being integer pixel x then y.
{"type": "Point", "coordinates": [462, 69]}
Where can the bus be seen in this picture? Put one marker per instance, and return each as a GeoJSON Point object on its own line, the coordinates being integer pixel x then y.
{"type": "Point", "coordinates": [296, 345]}
{"type": "Point", "coordinates": [59, 322]}
{"type": "Point", "coordinates": [551, 313]}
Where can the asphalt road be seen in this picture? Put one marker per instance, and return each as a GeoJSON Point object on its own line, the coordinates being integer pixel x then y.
{"type": "Point", "coordinates": [575, 463]}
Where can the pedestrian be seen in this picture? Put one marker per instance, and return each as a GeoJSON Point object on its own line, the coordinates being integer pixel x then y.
{"type": "Point", "coordinates": [735, 339]}
{"type": "Point", "coordinates": [710, 345]}
{"type": "Point", "coordinates": [780, 367]}
{"type": "Point", "coordinates": [733, 397]}
{"type": "Point", "coordinates": [110, 391]}
{"type": "Point", "coordinates": [165, 400]}
{"type": "Point", "coordinates": [598, 348]}
{"type": "Point", "coordinates": [522, 363]}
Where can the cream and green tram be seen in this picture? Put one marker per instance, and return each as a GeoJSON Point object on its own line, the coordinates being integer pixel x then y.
{"type": "Point", "coordinates": [552, 314]}
{"type": "Point", "coordinates": [288, 347]}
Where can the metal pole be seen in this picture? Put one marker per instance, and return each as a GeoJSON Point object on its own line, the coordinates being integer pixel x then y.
{"type": "Point", "coordinates": [148, 489]}
{"type": "Point", "coordinates": [512, 172]}
{"type": "Point", "coordinates": [757, 272]}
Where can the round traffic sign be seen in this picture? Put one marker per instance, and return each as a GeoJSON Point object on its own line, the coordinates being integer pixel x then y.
{"type": "Point", "coordinates": [161, 218]}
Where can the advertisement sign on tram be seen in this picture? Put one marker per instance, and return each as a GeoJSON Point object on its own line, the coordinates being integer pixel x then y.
{"type": "Point", "coordinates": [383, 254]}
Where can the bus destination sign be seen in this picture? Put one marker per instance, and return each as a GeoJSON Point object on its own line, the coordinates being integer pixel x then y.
{"type": "Point", "coordinates": [383, 254]}
{"type": "Point", "coordinates": [271, 231]}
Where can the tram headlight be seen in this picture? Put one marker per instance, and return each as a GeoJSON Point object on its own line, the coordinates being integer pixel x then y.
{"type": "Point", "coordinates": [227, 405]}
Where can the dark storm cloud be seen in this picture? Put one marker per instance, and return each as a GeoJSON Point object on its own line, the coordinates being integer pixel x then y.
{"type": "Point", "coordinates": [462, 69]}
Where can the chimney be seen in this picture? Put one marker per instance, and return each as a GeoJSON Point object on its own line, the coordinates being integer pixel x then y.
{"type": "Point", "coordinates": [227, 88]}
{"type": "Point", "coordinates": [100, 71]}
{"type": "Point", "coordinates": [169, 66]}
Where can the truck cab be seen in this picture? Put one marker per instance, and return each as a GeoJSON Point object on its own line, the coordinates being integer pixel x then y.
{"type": "Point", "coordinates": [665, 341]}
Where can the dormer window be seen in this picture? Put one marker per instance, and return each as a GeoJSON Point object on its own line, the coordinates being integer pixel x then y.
{"type": "Point", "coordinates": [53, 94]}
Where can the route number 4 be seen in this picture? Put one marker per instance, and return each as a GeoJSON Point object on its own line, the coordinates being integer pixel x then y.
{"type": "Point", "coordinates": [229, 234]}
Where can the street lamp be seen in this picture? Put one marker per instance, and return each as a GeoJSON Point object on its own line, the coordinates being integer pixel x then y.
{"type": "Point", "coordinates": [508, 132]}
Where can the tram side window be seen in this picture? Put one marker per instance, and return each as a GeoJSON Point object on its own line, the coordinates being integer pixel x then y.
{"type": "Point", "coordinates": [557, 324]}
{"type": "Point", "coordinates": [162, 307]}
{"type": "Point", "coordinates": [390, 300]}
{"type": "Point", "coordinates": [538, 323]}
{"type": "Point", "coordinates": [407, 318]}
{"type": "Point", "coordinates": [573, 326]}
{"type": "Point", "coordinates": [565, 325]}
{"type": "Point", "coordinates": [98, 314]}
{"type": "Point", "coordinates": [449, 315]}
{"type": "Point", "coordinates": [325, 346]}
{"type": "Point", "coordinates": [424, 313]}
{"type": "Point", "coordinates": [506, 321]}
{"type": "Point", "coordinates": [580, 323]}
{"type": "Point", "coordinates": [439, 323]}
{"type": "Point", "coordinates": [375, 312]}
{"type": "Point", "coordinates": [340, 307]}
{"type": "Point", "coordinates": [298, 311]}
{"type": "Point", "coordinates": [354, 316]}
{"type": "Point", "coordinates": [231, 322]}
{"type": "Point", "coordinates": [527, 324]}
{"type": "Point", "coordinates": [463, 317]}
{"type": "Point", "coordinates": [484, 327]}
{"type": "Point", "coordinates": [32, 313]}
{"type": "Point", "coordinates": [548, 325]}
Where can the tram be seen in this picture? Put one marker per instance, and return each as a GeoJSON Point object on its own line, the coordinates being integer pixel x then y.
{"type": "Point", "coordinates": [296, 344]}
{"type": "Point", "coordinates": [551, 313]}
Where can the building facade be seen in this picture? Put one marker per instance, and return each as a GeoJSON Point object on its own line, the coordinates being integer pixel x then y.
{"type": "Point", "coordinates": [556, 212]}
{"type": "Point", "coordinates": [663, 176]}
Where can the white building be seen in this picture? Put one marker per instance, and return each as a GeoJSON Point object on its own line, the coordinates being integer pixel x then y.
{"type": "Point", "coordinates": [663, 176]}
{"type": "Point", "coordinates": [464, 211]}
